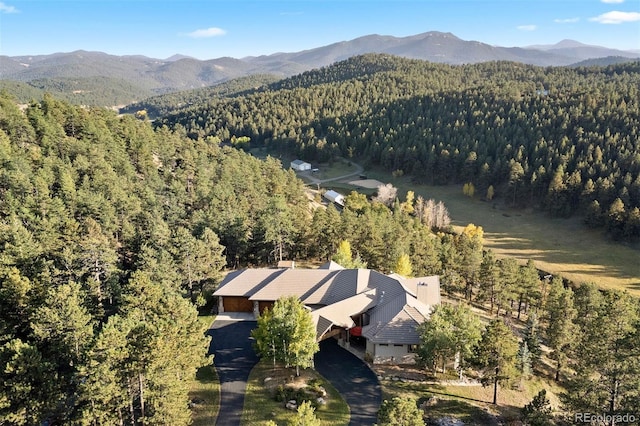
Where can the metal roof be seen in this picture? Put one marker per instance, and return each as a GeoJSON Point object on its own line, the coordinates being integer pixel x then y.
{"type": "Point", "coordinates": [246, 282]}
{"type": "Point", "coordinates": [391, 301]}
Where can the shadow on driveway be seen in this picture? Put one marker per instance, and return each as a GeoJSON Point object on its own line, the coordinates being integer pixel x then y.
{"type": "Point", "coordinates": [234, 358]}
{"type": "Point", "coordinates": [355, 381]}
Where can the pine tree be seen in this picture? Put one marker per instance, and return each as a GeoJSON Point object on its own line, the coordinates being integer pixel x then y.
{"type": "Point", "coordinates": [561, 329]}
{"type": "Point", "coordinates": [529, 288]}
{"type": "Point", "coordinates": [497, 354]}
{"type": "Point", "coordinates": [538, 412]}
{"type": "Point", "coordinates": [532, 337]}
{"type": "Point", "coordinates": [305, 416]}
{"type": "Point", "coordinates": [524, 361]}
{"type": "Point", "coordinates": [606, 361]}
{"type": "Point", "coordinates": [489, 277]}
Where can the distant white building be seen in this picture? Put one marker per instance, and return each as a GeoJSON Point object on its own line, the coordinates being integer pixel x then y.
{"type": "Point", "coordinates": [300, 165]}
{"type": "Point", "coordinates": [334, 197]}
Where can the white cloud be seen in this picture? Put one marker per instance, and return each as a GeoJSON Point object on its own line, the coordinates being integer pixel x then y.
{"type": "Point", "coordinates": [527, 27]}
{"type": "Point", "coordinates": [5, 8]}
{"type": "Point", "coordinates": [612, 1]}
{"type": "Point", "coordinates": [616, 17]}
{"type": "Point", "coordinates": [566, 21]}
{"type": "Point", "coordinates": [208, 32]}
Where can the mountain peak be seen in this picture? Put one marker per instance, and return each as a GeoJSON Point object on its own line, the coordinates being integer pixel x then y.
{"type": "Point", "coordinates": [568, 44]}
{"type": "Point", "coordinates": [177, 57]}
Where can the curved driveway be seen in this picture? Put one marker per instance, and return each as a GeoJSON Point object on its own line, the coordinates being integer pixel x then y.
{"type": "Point", "coordinates": [357, 384]}
{"type": "Point", "coordinates": [235, 357]}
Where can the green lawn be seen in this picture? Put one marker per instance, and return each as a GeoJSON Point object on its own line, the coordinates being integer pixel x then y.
{"type": "Point", "coordinates": [260, 406]}
{"type": "Point", "coordinates": [334, 169]}
{"type": "Point", "coordinates": [559, 246]}
{"type": "Point", "coordinates": [205, 393]}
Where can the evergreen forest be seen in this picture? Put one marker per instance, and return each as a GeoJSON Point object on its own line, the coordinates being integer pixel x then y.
{"type": "Point", "coordinates": [563, 140]}
{"type": "Point", "coordinates": [114, 231]}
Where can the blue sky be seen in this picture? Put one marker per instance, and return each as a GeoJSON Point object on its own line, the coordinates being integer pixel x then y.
{"type": "Point", "coordinates": [208, 29]}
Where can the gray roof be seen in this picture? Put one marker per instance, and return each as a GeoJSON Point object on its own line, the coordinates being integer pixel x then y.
{"type": "Point", "coordinates": [294, 282]}
{"type": "Point", "coordinates": [395, 320]}
{"type": "Point", "coordinates": [392, 302]}
{"type": "Point", "coordinates": [322, 326]}
{"type": "Point", "coordinates": [340, 313]}
{"type": "Point", "coordinates": [245, 282]}
{"type": "Point", "coordinates": [331, 265]}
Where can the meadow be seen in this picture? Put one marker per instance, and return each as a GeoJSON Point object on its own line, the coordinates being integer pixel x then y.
{"type": "Point", "coordinates": [564, 247]}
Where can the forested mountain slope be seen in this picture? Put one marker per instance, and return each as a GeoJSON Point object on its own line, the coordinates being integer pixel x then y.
{"type": "Point", "coordinates": [160, 105]}
{"type": "Point", "coordinates": [112, 232]}
{"type": "Point", "coordinates": [104, 225]}
{"type": "Point", "coordinates": [562, 139]}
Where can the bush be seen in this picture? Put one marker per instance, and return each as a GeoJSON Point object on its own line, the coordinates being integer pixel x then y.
{"type": "Point", "coordinates": [288, 393]}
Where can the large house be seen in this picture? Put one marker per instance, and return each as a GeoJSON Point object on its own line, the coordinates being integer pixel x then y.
{"type": "Point", "coordinates": [356, 306]}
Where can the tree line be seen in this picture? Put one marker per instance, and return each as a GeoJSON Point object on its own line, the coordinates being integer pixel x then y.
{"type": "Point", "coordinates": [557, 138]}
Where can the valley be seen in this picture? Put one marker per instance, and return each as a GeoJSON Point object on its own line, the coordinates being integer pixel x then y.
{"type": "Point", "coordinates": [565, 247]}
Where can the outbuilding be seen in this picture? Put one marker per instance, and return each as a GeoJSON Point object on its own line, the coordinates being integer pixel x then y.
{"type": "Point", "coordinates": [300, 165]}
{"type": "Point", "coordinates": [334, 197]}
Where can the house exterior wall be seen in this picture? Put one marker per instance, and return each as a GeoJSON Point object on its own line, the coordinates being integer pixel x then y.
{"type": "Point", "coordinates": [371, 348]}
{"type": "Point", "coordinates": [390, 354]}
{"type": "Point", "coordinates": [390, 350]}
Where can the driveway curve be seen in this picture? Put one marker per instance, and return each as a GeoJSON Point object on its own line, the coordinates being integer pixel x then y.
{"type": "Point", "coordinates": [234, 358]}
{"type": "Point", "coordinates": [355, 381]}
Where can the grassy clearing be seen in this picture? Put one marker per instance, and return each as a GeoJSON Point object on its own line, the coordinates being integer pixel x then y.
{"type": "Point", "coordinates": [337, 168]}
{"type": "Point", "coordinates": [205, 390]}
{"type": "Point", "coordinates": [471, 404]}
{"type": "Point", "coordinates": [560, 246]}
{"type": "Point", "coordinates": [205, 394]}
{"type": "Point", "coordinates": [260, 405]}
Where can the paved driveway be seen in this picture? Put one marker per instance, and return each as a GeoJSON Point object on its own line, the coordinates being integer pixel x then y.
{"type": "Point", "coordinates": [234, 359]}
{"type": "Point", "coordinates": [357, 384]}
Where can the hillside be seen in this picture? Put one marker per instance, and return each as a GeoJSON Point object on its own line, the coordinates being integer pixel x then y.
{"type": "Point", "coordinates": [160, 105]}
{"type": "Point", "coordinates": [59, 73]}
{"type": "Point", "coordinates": [558, 139]}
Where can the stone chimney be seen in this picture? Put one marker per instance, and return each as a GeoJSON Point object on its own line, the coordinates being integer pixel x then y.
{"type": "Point", "coordinates": [428, 292]}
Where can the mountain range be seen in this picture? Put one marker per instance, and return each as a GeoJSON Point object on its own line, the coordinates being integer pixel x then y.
{"type": "Point", "coordinates": [139, 76]}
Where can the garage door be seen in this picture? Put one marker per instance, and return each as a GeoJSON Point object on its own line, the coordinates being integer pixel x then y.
{"type": "Point", "coordinates": [237, 304]}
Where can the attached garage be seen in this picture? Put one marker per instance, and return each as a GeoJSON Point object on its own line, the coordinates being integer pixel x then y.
{"type": "Point", "coordinates": [237, 304]}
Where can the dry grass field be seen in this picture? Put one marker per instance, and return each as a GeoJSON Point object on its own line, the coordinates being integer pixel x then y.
{"type": "Point", "coordinates": [559, 246]}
